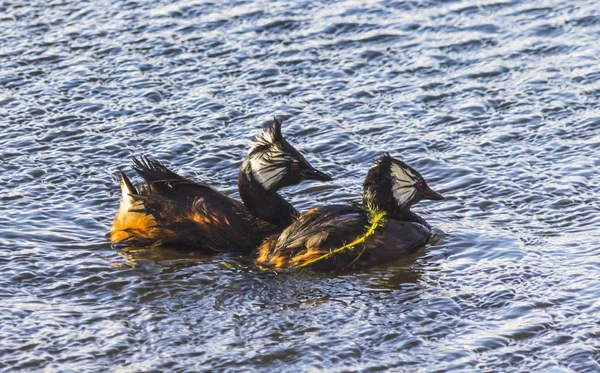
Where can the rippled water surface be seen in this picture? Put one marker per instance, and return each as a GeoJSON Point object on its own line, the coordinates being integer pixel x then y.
{"type": "Point", "coordinates": [495, 102]}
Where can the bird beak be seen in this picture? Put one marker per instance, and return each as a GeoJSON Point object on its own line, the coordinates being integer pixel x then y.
{"type": "Point", "coordinates": [428, 193]}
{"type": "Point", "coordinates": [314, 174]}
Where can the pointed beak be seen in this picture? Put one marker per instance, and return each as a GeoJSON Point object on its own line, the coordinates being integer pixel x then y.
{"type": "Point", "coordinates": [428, 193]}
{"type": "Point", "coordinates": [314, 174]}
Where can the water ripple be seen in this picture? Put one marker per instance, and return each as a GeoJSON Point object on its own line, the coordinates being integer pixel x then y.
{"type": "Point", "coordinates": [494, 102]}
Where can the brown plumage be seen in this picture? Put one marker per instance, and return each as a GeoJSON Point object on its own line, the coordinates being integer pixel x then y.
{"type": "Point", "coordinates": [172, 211]}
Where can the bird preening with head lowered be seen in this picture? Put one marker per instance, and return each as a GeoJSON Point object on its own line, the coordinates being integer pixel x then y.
{"type": "Point", "coordinates": [170, 210]}
{"type": "Point", "coordinates": [342, 237]}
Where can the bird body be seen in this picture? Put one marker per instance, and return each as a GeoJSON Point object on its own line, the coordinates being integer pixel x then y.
{"type": "Point", "coordinates": [348, 237]}
{"type": "Point", "coordinates": [171, 210]}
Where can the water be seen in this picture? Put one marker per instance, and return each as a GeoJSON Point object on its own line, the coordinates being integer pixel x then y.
{"type": "Point", "coordinates": [495, 102]}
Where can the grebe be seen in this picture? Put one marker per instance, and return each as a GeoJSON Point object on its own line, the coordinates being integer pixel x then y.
{"type": "Point", "coordinates": [347, 237]}
{"type": "Point", "coordinates": [171, 210]}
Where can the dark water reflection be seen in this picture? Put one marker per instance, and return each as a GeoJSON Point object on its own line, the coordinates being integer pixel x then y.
{"type": "Point", "coordinates": [496, 103]}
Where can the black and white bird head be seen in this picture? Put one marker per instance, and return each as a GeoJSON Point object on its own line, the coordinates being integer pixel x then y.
{"type": "Point", "coordinates": [393, 185]}
{"type": "Point", "coordinates": [275, 164]}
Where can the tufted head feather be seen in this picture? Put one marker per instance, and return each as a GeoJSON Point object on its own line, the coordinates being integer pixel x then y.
{"type": "Point", "coordinates": [274, 163]}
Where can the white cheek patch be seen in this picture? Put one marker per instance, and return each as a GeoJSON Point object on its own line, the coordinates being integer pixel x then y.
{"type": "Point", "coordinates": [403, 194]}
{"type": "Point", "coordinates": [402, 188]}
{"type": "Point", "coordinates": [265, 171]}
{"type": "Point", "coordinates": [402, 175]}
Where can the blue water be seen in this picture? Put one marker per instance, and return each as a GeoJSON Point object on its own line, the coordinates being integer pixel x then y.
{"type": "Point", "coordinates": [494, 102]}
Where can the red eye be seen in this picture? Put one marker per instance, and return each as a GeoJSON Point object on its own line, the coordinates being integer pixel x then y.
{"type": "Point", "coordinates": [294, 165]}
{"type": "Point", "coordinates": [419, 186]}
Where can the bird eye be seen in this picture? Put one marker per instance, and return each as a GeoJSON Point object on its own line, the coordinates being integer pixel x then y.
{"type": "Point", "coordinates": [294, 165]}
{"type": "Point", "coordinates": [419, 186]}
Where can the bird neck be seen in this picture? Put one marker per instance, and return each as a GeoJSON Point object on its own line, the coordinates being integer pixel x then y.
{"type": "Point", "coordinates": [267, 205]}
{"type": "Point", "coordinates": [407, 215]}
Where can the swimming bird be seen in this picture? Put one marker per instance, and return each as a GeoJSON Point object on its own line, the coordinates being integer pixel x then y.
{"type": "Point", "coordinates": [353, 237]}
{"type": "Point", "coordinates": [173, 211]}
